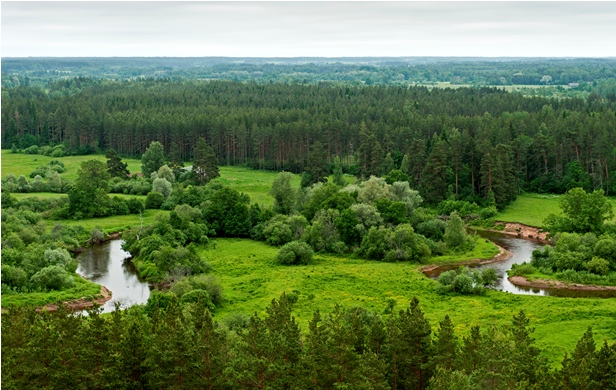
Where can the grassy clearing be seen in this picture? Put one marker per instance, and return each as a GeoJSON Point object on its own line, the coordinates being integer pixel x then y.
{"type": "Point", "coordinates": [23, 164]}
{"type": "Point", "coordinates": [253, 183]}
{"type": "Point", "coordinates": [532, 209]}
{"type": "Point", "coordinates": [112, 224]}
{"type": "Point", "coordinates": [251, 280]}
{"type": "Point", "coordinates": [81, 288]}
{"type": "Point", "coordinates": [51, 195]}
{"type": "Point", "coordinates": [484, 249]}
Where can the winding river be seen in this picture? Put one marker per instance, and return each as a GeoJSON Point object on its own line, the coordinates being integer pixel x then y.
{"type": "Point", "coordinates": [522, 250]}
{"type": "Point", "coordinates": [104, 264]}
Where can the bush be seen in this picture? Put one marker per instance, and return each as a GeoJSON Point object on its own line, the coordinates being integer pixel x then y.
{"type": "Point", "coordinates": [277, 231]}
{"type": "Point", "coordinates": [154, 200]}
{"type": "Point", "coordinates": [196, 296]}
{"type": "Point", "coordinates": [463, 284]}
{"type": "Point", "coordinates": [606, 249]}
{"type": "Point", "coordinates": [31, 150]}
{"type": "Point", "coordinates": [522, 269]}
{"type": "Point", "coordinates": [236, 321]}
{"type": "Point", "coordinates": [433, 229]}
{"type": "Point", "coordinates": [295, 253]}
{"type": "Point", "coordinates": [488, 212]}
{"type": "Point", "coordinates": [598, 266]}
{"type": "Point", "coordinates": [209, 283]}
{"type": "Point", "coordinates": [53, 277]}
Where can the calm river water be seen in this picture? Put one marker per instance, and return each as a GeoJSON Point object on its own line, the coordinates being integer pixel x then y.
{"type": "Point", "coordinates": [522, 250]}
{"type": "Point", "coordinates": [104, 264]}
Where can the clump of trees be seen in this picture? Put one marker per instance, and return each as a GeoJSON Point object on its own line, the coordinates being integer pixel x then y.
{"type": "Point", "coordinates": [582, 212]}
{"type": "Point", "coordinates": [148, 347]}
{"type": "Point", "coordinates": [465, 281]}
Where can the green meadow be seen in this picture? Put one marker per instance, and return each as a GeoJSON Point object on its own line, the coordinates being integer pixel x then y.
{"type": "Point", "coordinates": [23, 164]}
{"type": "Point", "coordinates": [532, 209]}
{"type": "Point", "coordinates": [251, 279]}
{"type": "Point", "coordinates": [81, 288]}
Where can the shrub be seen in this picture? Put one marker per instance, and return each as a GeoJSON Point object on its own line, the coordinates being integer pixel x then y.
{"type": "Point", "coordinates": [196, 296]}
{"type": "Point", "coordinates": [31, 150]}
{"type": "Point", "coordinates": [162, 186]}
{"type": "Point", "coordinates": [522, 269]}
{"type": "Point", "coordinates": [154, 200]}
{"type": "Point", "coordinates": [433, 229]}
{"type": "Point", "coordinates": [488, 212]}
{"type": "Point", "coordinates": [236, 321]}
{"type": "Point", "coordinates": [463, 284]}
{"type": "Point", "coordinates": [606, 249]}
{"type": "Point", "coordinates": [209, 283]}
{"type": "Point", "coordinates": [455, 235]}
{"type": "Point", "coordinates": [489, 276]}
{"type": "Point", "coordinates": [295, 253]}
{"type": "Point", "coordinates": [53, 277]}
{"type": "Point", "coordinates": [598, 266]}
{"type": "Point", "coordinates": [277, 231]}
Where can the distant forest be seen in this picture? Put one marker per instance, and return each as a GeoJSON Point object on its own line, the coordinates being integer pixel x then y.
{"type": "Point", "coordinates": [465, 141]}
{"type": "Point", "coordinates": [592, 75]}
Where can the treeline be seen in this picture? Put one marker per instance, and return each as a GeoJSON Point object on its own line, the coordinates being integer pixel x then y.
{"type": "Point", "coordinates": [533, 144]}
{"type": "Point", "coordinates": [167, 347]}
{"type": "Point", "coordinates": [358, 71]}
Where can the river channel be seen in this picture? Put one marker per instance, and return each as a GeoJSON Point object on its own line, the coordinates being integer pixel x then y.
{"type": "Point", "coordinates": [105, 264]}
{"type": "Point", "coordinates": [522, 251]}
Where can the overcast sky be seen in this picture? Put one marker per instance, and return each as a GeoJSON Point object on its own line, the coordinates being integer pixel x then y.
{"type": "Point", "coordinates": [293, 29]}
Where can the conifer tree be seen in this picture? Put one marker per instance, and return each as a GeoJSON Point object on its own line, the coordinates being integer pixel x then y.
{"type": "Point", "coordinates": [115, 166]}
{"type": "Point", "coordinates": [435, 172]}
{"type": "Point", "coordinates": [338, 176]}
{"type": "Point", "coordinates": [417, 162]}
{"type": "Point", "coordinates": [317, 168]}
{"type": "Point", "coordinates": [388, 165]}
{"type": "Point", "coordinates": [415, 332]}
{"type": "Point", "coordinates": [369, 154]}
{"type": "Point", "coordinates": [205, 167]}
{"type": "Point", "coordinates": [152, 159]}
{"type": "Point", "coordinates": [446, 348]}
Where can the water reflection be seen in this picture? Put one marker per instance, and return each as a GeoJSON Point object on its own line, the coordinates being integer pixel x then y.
{"type": "Point", "coordinates": [522, 250]}
{"type": "Point", "coordinates": [104, 264]}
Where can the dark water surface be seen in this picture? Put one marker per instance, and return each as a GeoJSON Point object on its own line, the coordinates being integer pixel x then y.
{"type": "Point", "coordinates": [522, 250]}
{"type": "Point", "coordinates": [104, 264]}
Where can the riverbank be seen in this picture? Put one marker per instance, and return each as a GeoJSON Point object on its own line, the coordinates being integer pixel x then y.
{"type": "Point", "coordinates": [502, 255]}
{"type": "Point", "coordinates": [81, 303]}
{"type": "Point", "coordinates": [556, 284]}
{"type": "Point", "coordinates": [520, 230]}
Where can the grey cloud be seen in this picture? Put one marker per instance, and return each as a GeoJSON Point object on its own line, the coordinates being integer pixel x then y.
{"type": "Point", "coordinates": [308, 29]}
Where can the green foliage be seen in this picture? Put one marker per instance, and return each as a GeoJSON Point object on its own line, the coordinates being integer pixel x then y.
{"type": "Point", "coordinates": [88, 197]}
{"type": "Point", "coordinates": [295, 253]}
{"type": "Point", "coordinates": [115, 166]}
{"type": "Point", "coordinates": [205, 167]}
{"type": "Point", "coordinates": [338, 177]}
{"type": "Point", "coordinates": [455, 234]}
{"type": "Point", "coordinates": [373, 189]}
{"type": "Point", "coordinates": [598, 266]}
{"type": "Point", "coordinates": [318, 198]}
{"type": "Point", "coordinates": [227, 213]}
{"type": "Point", "coordinates": [369, 154]}
{"type": "Point", "coordinates": [463, 281]}
{"type": "Point", "coordinates": [162, 186]}
{"type": "Point", "coordinates": [521, 269]}
{"type": "Point", "coordinates": [583, 212]}
{"type": "Point", "coordinates": [153, 158]}
{"type": "Point", "coordinates": [317, 166]}
{"type": "Point", "coordinates": [154, 200]}
{"type": "Point", "coordinates": [53, 277]}
{"type": "Point", "coordinates": [283, 193]}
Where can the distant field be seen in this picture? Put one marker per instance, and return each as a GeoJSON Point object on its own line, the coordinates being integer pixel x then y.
{"type": "Point", "coordinates": [113, 224]}
{"type": "Point", "coordinates": [23, 164]}
{"type": "Point", "coordinates": [48, 195]}
{"type": "Point", "coordinates": [251, 280]}
{"type": "Point", "coordinates": [532, 209]}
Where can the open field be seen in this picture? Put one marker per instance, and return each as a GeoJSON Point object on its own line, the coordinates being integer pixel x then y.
{"type": "Point", "coordinates": [23, 164]}
{"type": "Point", "coordinates": [50, 195]}
{"type": "Point", "coordinates": [532, 209]}
{"type": "Point", "coordinates": [112, 224]}
{"type": "Point", "coordinates": [251, 280]}
{"type": "Point", "coordinates": [81, 288]}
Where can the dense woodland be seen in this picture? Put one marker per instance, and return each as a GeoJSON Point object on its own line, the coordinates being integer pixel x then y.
{"type": "Point", "coordinates": [465, 141]}
{"type": "Point", "coordinates": [174, 347]}
{"type": "Point", "coordinates": [592, 75]}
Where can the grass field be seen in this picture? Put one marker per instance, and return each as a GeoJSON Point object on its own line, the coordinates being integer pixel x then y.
{"type": "Point", "coordinates": [81, 288]}
{"type": "Point", "coordinates": [251, 280]}
{"type": "Point", "coordinates": [50, 195]}
{"type": "Point", "coordinates": [113, 224]}
{"type": "Point", "coordinates": [532, 209]}
{"type": "Point", "coordinates": [23, 164]}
